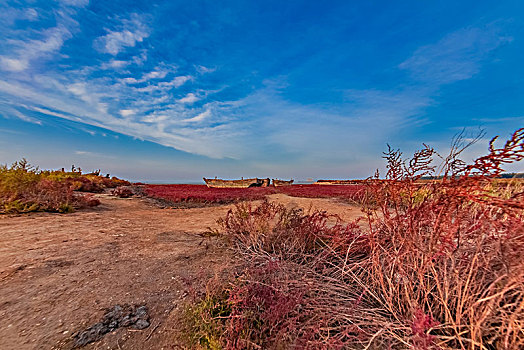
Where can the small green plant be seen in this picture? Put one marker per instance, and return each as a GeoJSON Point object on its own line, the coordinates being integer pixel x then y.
{"type": "Point", "coordinates": [17, 206]}
{"type": "Point", "coordinates": [205, 320]}
{"type": "Point", "coordinates": [66, 208]}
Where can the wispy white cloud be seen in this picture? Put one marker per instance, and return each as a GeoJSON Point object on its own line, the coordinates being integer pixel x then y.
{"type": "Point", "coordinates": [399, 107]}
{"type": "Point", "coordinates": [80, 102]}
{"type": "Point", "coordinates": [127, 112]}
{"type": "Point", "coordinates": [81, 90]}
{"type": "Point", "coordinates": [8, 15]}
{"type": "Point", "coordinates": [141, 58]}
{"type": "Point", "coordinates": [156, 74]}
{"type": "Point", "coordinates": [129, 32]}
{"type": "Point", "coordinates": [131, 81]}
{"type": "Point", "coordinates": [31, 14]}
{"type": "Point", "coordinates": [25, 95]}
{"type": "Point", "coordinates": [166, 85]}
{"type": "Point", "coordinates": [455, 57]}
{"type": "Point", "coordinates": [53, 113]}
{"type": "Point", "coordinates": [519, 118]}
{"type": "Point", "coordinates": [93, 154]}
{"type": "Point", "coordinates": [116, 64]}
{"type": "Point", "coordinates": [77, 3]}
{"type": "Point", "coordinates": [155, 118]}
{"type": "Point", "coordinates": [313, 132]}
{"type": "Point", "coordinates": [159, 73]}
{"type": "Point", "coordinates": [189, 98]}
{"type": "Point", "coordinates": [26, 51]}
{"type": "Point", "coordinates": [13, 64]}
{"type": "Point", "coordinates": [200, 117]}
{"type": "Point", "coordinates": [205, 70]}
{"type": "Point", "coordinates": [26, 118]}
{"type": "Point", "coordinates": [181, 80]}
{"type": "Point", "coordinates": [39, 43]}
{"type": "Point", "coordinates": [90, 132]}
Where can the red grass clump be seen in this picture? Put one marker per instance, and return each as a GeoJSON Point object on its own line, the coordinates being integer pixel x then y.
{"type": "Point", "coordinates": [204, 195]}
{"type": "Point", "coordinates": [438, 266]}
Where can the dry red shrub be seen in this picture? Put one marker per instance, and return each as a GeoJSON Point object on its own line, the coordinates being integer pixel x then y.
{"type": "Point", "coordinates": [122, 192]}
{"type": "Point", "coordinates": [439, 265]}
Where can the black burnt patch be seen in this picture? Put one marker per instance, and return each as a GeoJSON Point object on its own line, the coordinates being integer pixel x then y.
{"type": "Point", "coordinates": [136, 317]}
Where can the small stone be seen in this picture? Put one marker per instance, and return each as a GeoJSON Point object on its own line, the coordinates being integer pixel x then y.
{"type": "Point", "coordinates": [128, 321]}
{"type": "Point", "coordinates": [141, 311]}
{"type": "Point", "coordinates": [113, 324]}
{"type": "Point", "coordinates": [91, 335]}
{"type": "Point", "coordinates": [141, 324]}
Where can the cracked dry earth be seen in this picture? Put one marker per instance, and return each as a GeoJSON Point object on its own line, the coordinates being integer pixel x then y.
{"type": "Point", "coordinates": [60, 273]}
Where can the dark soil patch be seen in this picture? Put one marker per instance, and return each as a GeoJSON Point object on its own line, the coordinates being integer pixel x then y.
{"type": "Point", "coordinates": [136, 317]}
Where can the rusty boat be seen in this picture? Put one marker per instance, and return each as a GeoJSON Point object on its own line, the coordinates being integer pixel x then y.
{"type": "Point", "coordinates": [278, 183]}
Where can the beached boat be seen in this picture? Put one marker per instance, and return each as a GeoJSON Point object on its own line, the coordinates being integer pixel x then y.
{"type": "Point", "coordinates": [242, 183]}
{"type": "Point", "coordinates": [277, 182]}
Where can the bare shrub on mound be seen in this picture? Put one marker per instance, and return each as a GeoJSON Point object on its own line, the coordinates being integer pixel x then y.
{"type": "Point", "coordinates": [122, 192]}
{"type": "Point", "coordinates": [24, 188]}
{"type": "Point", "coordinates": [439, 265]}
{"type": "Point", "coordinates": [86, 201]}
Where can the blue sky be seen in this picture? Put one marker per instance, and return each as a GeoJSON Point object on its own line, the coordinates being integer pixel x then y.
{"type": "Point", "coordinates": [176, 90]}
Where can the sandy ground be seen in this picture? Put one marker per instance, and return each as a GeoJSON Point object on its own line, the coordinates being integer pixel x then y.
{"type": "Point", "coordinates": [58, 273]}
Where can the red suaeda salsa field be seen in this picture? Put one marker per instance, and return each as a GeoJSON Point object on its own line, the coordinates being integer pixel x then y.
{"type": "Point", "coordinates": [204, 195]}
{"type": "Point", "coordinates": [344, 192]}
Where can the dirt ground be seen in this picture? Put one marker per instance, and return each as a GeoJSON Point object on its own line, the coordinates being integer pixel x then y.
{"type": "Point", "coordinates": [58, 273]}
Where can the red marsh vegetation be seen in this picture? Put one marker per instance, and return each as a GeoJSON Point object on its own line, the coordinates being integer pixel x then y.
{"type": "Point", "coordinates": [201, 194]}
{"type": "Point", "coordinates": [437, 265]}
{"type": "Point", "coordinates": [345, 192]}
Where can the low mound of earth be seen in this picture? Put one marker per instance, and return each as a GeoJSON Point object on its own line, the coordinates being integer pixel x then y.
{"type": "Point", "coordinates": [59, 274]}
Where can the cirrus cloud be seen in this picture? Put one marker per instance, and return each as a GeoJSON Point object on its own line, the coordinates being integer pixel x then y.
{"type": "Point", "coordinates": [129, 32]}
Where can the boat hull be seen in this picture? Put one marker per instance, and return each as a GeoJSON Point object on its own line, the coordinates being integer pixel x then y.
{"type": "Point", "coordinates": [278, 183]}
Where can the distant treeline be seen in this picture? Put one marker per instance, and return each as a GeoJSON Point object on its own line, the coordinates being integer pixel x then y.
{"type": "Point", "coordinates": [501, 176]}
